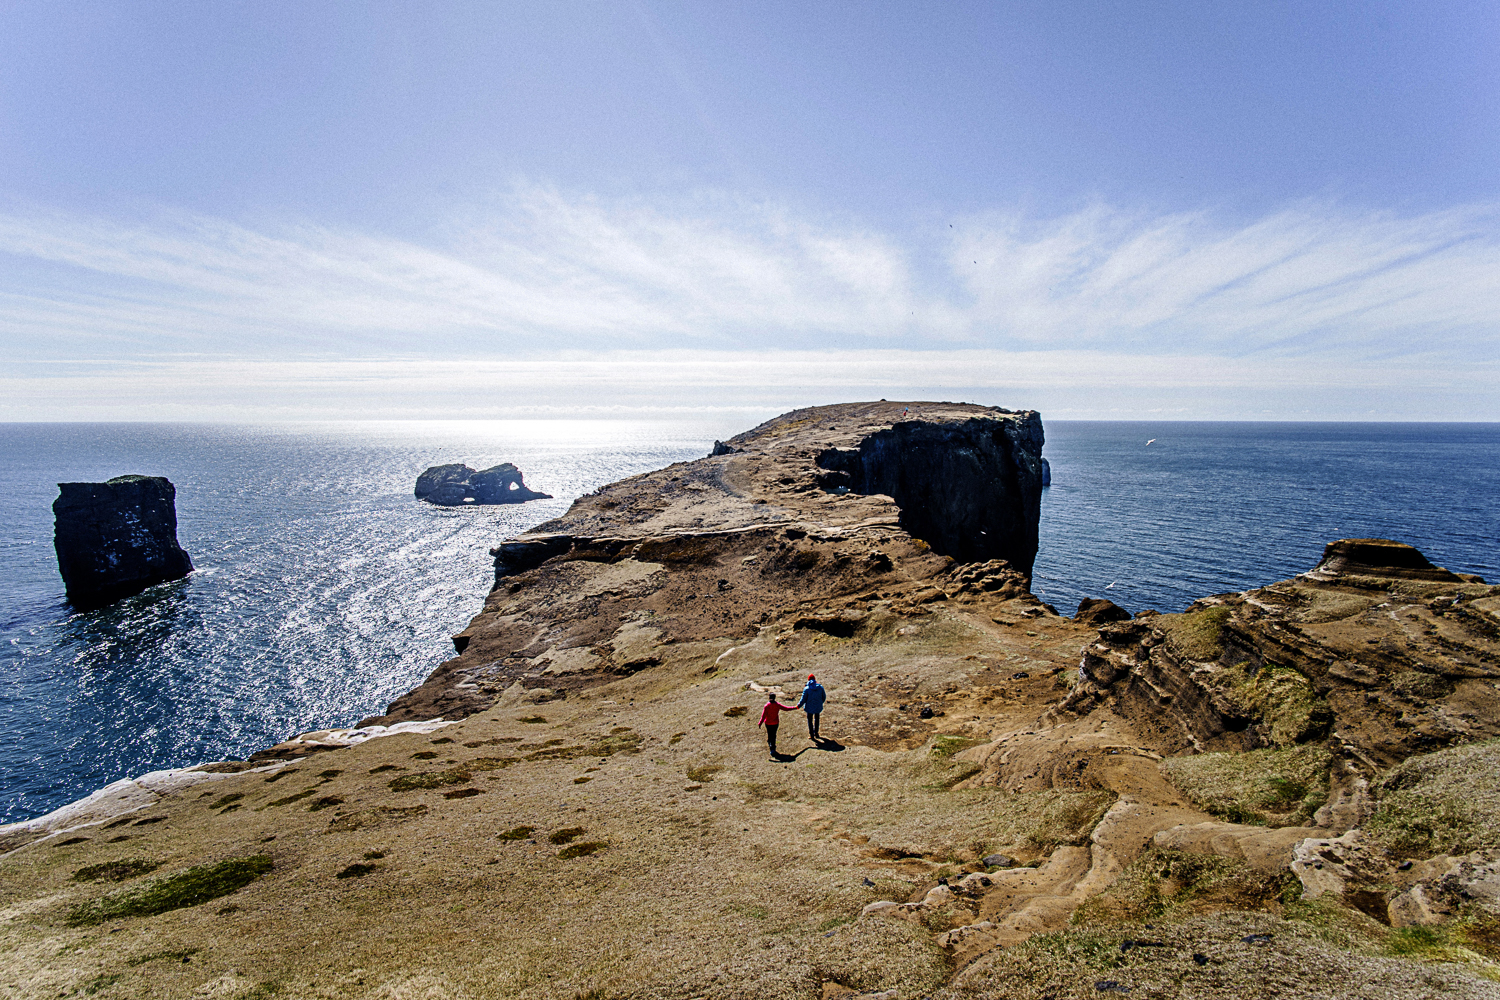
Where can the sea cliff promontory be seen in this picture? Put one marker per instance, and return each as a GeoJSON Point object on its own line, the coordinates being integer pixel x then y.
{"type": "Point", "coordinates": [1291, 790]}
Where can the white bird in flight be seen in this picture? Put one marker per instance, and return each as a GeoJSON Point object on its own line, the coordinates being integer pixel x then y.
{"type": "Point", "coordinates": [1151, 442]}
{"type": "Point", "coordinates": [1111, 584]}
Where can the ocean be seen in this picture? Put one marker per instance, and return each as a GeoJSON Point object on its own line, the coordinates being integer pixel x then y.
{"type": "Point", "coordinates": [323, 590]}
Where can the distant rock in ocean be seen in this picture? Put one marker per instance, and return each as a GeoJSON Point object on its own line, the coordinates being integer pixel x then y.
{"type": "Point", "coordinates": [1046, 473]}
{"type": "Point", "coordinates": [117, 538]}
{"type": "Point", "coordinates": [460, 486]}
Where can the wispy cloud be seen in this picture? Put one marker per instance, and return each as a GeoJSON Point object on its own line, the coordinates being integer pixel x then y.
{"type": "Point", "coordinates": [540, 270]}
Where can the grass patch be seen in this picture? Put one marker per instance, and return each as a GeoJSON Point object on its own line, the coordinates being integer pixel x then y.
{"type": "Point", "coordinates": [1051, 817]}
{"type": "Point", "coordinates": [533, 720]}
{"type": "Point", "coordinates": [172, 892]}
{"type": "Point", "coordinates": [620, 740]}
{"type": "Point", "coordinates": [431, 779]}
{"type": "Point", "coordinates": [581, 850]}
{"type": "Point", "coordinates": [565, 836]}
{"type": "Point", "coordinates": [944, 747]}
{"type": "Point", "coordinates": [116, 871]}
{"type": "Point", "coordinates": [226, 800]}
{"type": "Point", "coordinates": [491, 763]}
{"type": "Point", "coordinates": [735, 712]}
{"type": "Point", "coordinates": [357, 870]}
{"type": "Point", "coordinates": [181, 955]}
{"type": "Point", "coordinates": [1170, 885]}
{"type": "Point", "coordinates": [1262, 787]}
{"type": "Point", "coordinates": [101, 982]}
{"type": "Point", "coordinates": [1198, 635]}
{"type": "Point", "coordinates": [385, 767]}
{"type": "Point", "coordinates": [293, 798]}
{"type": "Point", "coordinates": [1440, 803]}
{"type": "Point", "coordinates": [703, 772]}
{"type": "Point", "coordinates": [325, 802]}
{"type": "Point", "coordinates": [518, 833]}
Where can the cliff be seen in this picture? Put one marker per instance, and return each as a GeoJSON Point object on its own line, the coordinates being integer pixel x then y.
{"type": "Point", "coordinates": [117, 538]}
{"type": "Point", "coordinates": [1291, 790]}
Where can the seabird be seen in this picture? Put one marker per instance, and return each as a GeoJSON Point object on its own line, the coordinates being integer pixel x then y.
{"type": "Point", "coordinates": [1151, 442]}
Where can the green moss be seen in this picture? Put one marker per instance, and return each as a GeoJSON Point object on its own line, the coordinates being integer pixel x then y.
{"type": "Point", "coordinates": [564, 836]}
{"type": "Point", "coordinates": [1198, 635]}
{"type": "Point", "coordinates": [581, 850]}
{"type": "Point", "coordinates": [1262, 787]}
{"type": "Point", "coordinates": [100, 982]}
{"type": "Point", "coordinates": [226, 800]}
{"type": "Point", "coordinates": [116, 871]}
{"type": "Point", "coordinates": [533, 720]}
{"type": "Point", "coordinates": [736, 711]}
{"type": "Point", "coordinates": [430, 779]}
{"type": "Point", "coordinates": [356, 870]}
{"type": "Point", "coordinates": [518, 833]}
{"type": "Point", "coordinates": [293, 798]}
{"type": "Point", "coordinates": [172, 892]}
{"type": "Point", "coordinates": [703, 772]}
{"type": "Point", "coordinates": [1440, 803]}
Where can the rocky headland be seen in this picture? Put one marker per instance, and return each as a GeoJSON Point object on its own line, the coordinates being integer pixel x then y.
{"type": "Point", "coordinates": [1294, 790]}
{"type": "Point", "coordinates": [116, 538]}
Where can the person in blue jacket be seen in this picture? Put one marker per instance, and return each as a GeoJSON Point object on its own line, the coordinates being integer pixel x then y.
{"type": "Point", "coordinates": [811, 702]}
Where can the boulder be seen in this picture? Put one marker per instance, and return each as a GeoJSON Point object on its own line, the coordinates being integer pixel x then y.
{"type": "Point", "coordinates": [460, 486]}
{"type": "Point", "coordinates": [117, 538]}
{"type": "Point", "coordinates": [1092, 611]}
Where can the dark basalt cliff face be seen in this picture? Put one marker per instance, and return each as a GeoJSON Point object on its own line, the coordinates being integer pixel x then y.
{"type": "Point", "coordinates": [117, 538]}
{"type": "Point", "coordinates": [971, 489]}
{"type": "Point", "coordinates": [816, 505]}
{"type": "Point", "coordinates": [460, 486]}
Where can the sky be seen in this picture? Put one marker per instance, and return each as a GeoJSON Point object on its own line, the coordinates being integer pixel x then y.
{"type": "Point", "coordinates": [1102, 210]}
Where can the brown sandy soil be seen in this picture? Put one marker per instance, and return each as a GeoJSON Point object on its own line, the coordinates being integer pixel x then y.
{"type": "Point", "coordinates": [601, 817]}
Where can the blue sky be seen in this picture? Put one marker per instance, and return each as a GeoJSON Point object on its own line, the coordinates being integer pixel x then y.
{"type": "Point", "coordinates": [252, 210]}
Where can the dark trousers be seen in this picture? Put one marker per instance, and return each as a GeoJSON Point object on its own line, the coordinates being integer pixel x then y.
{"type": "Point", "coordinates": [814, 720]}
{"type": "Point", "coordinates": [771, 737]}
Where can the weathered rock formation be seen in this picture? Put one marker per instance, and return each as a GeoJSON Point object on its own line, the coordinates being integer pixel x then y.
{"type": "Point", "coordinates": [460, 486]}
{"type": "Point", "coordinates": [117, 538]}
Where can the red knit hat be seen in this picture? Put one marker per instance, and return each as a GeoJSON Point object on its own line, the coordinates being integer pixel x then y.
{"type": "Point", "coordinates": [811, 677]}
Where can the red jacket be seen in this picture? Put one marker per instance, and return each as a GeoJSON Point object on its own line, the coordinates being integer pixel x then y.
{"type": "Point", "coordinates": [771, 714]}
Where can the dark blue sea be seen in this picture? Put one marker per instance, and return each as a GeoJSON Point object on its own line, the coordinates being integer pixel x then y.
{"type": "Point", "coordinates": [323, 590]}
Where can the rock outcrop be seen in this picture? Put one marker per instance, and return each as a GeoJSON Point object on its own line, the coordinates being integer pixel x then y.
{"type": "Point", "coordinates": [117, 538]}
{"type": "Point", "coordinates": [460, 486]}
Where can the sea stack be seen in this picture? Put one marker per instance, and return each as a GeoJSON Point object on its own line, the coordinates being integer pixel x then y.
{"type": "Point", "coordinates": [117, 538]}
{"type": "Point", "coordinates": [460, 486]}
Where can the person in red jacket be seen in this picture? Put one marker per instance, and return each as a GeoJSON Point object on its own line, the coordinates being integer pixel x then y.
{"type": "Point", "coordinates": [770, 717]}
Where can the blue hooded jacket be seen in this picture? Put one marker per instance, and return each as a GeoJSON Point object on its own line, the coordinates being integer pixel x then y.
{"type": "Point", "coordinates": [813, 696]}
